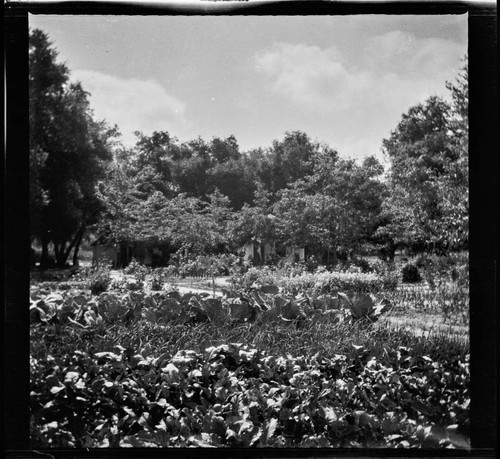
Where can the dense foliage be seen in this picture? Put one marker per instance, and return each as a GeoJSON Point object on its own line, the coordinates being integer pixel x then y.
{"type": "Point", "coordinates": [297, 279]}
{"type": "Point", "coordinates": [69, 151]}
{"type": "Point", "coordinates": [427, 206]}
{"type": "Point", "coordinates": [286, 354]}
{"type": "Point", "coordinates": [147, 368]}
{"type": "Point", "coordinates": [410, 273]}
{"type": "Point", "coordinates": [236, 396]}
{"type": "Point", "coordinates": [140, 200]}
{"type": "Point", "coordinates": [300, 193]}
{"type": "Point", "coordinates": [206, 197]}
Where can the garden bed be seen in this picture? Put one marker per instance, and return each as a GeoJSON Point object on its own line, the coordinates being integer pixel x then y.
{"type": "Point", "coordinates": [256, 367]}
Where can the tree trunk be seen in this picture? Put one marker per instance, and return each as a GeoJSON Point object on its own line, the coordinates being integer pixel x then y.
{"type": "Point", "coordinates": [335, 258]}
{"type": "Point", "coordinates": [77, 246]}
{"type": "Point", "coordinates": [334, 245]}
{"type": "Point", "coordinates": [44, 260]}
{"type": "Point", "coordinates": [61, 255]}
{"type": "Point", "coordinates": [391, 251]}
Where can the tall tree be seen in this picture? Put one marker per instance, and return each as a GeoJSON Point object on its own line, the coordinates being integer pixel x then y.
{"type": "Point", "coordinates": [222, 150]}
{"type": "Point", "coordinates": [428, 204]}
{"type": "Point", "coordinates": [290, 159]}
{"type": "Point", "coordinates": [68, 152]}
{"type": "Point", "coordinates": [454, 183]}
{"type": "Point", "coordinates": [152, 161]}
{"type": "Point", "coordinates": [302, 218]}
{"type": "Point", "coordinates": [334, 208]}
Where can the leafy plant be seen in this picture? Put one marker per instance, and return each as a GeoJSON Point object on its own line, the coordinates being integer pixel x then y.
{"type": "Point", "coordinates": [137, 269]}
{"type": "Point", "coordinates": [256, 276]}
{"type": "Point", "coordinates": [100, 278]}
{"type": "Point", "coordinates": [410, 273]}
{"type": "Point", "coordinates": [164, 369]}
{"type": "Point", "coordinates": [363, 306]}
{"type": "Point", "coordinates": [233, 395]}
{"type": "Point", "coordinates": [157, 279]}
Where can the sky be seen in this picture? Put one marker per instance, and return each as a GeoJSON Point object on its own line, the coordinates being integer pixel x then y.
{"type": "Point", "coordinates": [344, 80]}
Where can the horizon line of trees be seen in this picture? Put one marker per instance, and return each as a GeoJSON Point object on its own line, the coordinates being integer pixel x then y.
{"type": "Point", "coordinates": [208, 197]}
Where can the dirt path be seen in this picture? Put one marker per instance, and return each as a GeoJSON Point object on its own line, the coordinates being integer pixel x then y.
{"type": "Point", "coordinates": [186, 285]}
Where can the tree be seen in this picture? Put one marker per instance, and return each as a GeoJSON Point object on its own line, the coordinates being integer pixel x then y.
{"type": "Point", "coordinates": [46, 85]}
{"type": "Point", "coordinates": [453, 187]}
{"type": "Point", "coordinates": [348, 197]}
{"type": "Point", "coordinates": [302, 218]}
{"type": "Point", "coordinates": [255, 223]}
{"type": "Point", "coordinates": [68, 153]}
{"type": "Point", "coordinates": [222, 150]}
{"type": "Point", "coordinates": [290, 159]}
{"type": "Point", "coordinates": [152, 161]}
{"type": "Point", "coordinates": [428, 204]}
{"type": "Point", "coordinates": [191, 173]}
{"type": "Point", "coordinates": [230, 180]}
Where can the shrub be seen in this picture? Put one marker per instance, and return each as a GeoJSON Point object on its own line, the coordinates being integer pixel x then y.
{"type": "Point", "coordinates": [100, 281]}
{"type": "Point", "coordinates": [157, 279]}
{"type": "Point", "coordinates": [356, 265]}
{"type": "Point", "coordinates": [410, 273]}
{"type": "Point", "coordinates": [363, 264]}
{"type": "Point", "coordinates": [207, 265]}
{"type": "Point", "coordinates": [294, 279]}
{"type": "Point", "coordinates": [293, 269]}
{"type": "Point", "coordinates": [422, 261]}
{"type": "Point", "coordinates": [124, 284]}
{"type": "Point", "coordinates": [261, 276]}
{"type": "Point", "coordinates": [437, 270]}
{"type": "Point", "coordinates": [138, 270]}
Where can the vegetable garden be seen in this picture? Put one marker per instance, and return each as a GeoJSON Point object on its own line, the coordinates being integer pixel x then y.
{"type": "Point", "coordinates": [338, 351]}
{"type": "Point", "coordinates": [281, 358]}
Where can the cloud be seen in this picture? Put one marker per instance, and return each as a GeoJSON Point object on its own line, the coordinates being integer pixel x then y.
{"type": "Point", "coordinates": [306, 74]}
{"type": "Point", "coordinates": [402, 53]}
{"type": "Point", "coordinates": [359, 93]}
{"type": "Point", "coordinates": [132, 104]}
{"type": "Point", "coordinates": [391, 71]}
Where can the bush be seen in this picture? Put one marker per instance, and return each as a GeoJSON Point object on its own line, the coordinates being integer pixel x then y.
{"type": "Point", "coordinates": [261, 276]}
{"type": "Point", "coordinates": [356, 265]}
{"type": "Point", "coordinates": [410, 273]}
{"type": "Point", "coordinates": [157, 279]}
{"type": "Point", "coordinates": [296, 278]}
{"type": "Point", "coordinates": [138, 270]}
{"type": "Point", "coordinates": [293, 269]}
{"type": "Point", "coordinates": [363, 264]}
{"type": "Point", "coordinates": [437, 270]}
{"type": "Point", "coordinates": [99, 277]}
{"type": "Point", "coordinates": [207, 265]}
{"type": "Point", "coordinates": [99, 282]}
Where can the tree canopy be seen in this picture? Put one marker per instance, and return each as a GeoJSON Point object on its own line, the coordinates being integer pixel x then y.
{"type": "Point", "coordinates": [427, 206]}
{"type": "Point", "coordinates": [207, 196]}
{"type": "Point", "coordinates": [69, 151]}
